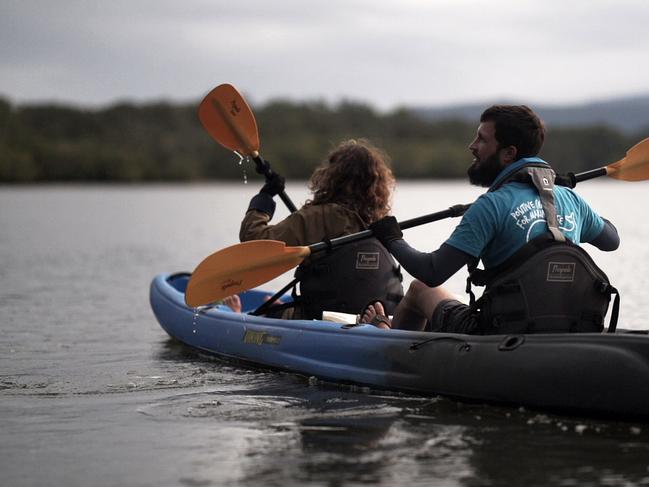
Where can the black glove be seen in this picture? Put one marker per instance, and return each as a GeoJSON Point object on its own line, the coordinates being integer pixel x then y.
{"type": "Point", "coordinates": [386, 230]}
{"type": "Point", "coordinates": [274, 185]}
{"type": "Point", "coordinates": [262, 166]}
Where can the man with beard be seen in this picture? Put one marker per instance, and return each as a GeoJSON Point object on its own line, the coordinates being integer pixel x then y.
{"type": "Point", "coordinates": [514, 211]}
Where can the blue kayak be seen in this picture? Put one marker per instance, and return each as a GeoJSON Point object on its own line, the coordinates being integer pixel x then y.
{"type": "Point", "coordinates": [587, 373]}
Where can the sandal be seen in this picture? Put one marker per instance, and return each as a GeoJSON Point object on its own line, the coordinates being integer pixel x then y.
{"type": "Point", "coordinates": [379, 320]}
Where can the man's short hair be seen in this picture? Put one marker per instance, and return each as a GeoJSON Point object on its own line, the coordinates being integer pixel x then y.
{"type": "Point", "coordinates": [516, 125]}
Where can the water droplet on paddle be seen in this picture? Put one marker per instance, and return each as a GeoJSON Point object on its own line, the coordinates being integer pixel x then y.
{"type": "Point", "coordinates": [243, 159]}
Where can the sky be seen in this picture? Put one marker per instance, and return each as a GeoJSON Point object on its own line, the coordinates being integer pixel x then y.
{"type": "Point", "coordinates": [387, 53]}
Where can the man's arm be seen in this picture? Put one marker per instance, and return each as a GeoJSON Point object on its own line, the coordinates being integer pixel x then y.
{"type": "Point", "coordinates": [432, 268]}
{"type": "Point", "coordinates": [608, 239]}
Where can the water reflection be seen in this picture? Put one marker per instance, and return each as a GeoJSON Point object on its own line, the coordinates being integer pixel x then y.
{"type": "Point", "coordinates": [295, 430]}
{"type": "Point", "coordinates": [317, 432]}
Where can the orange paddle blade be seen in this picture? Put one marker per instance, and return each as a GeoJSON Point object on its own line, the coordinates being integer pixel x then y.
{"type": "Point", "coordinates": [634, 166]}
{"type": "Point", "coordinates": [226, 116]}
{"type": "Point", "coordinates": [240, 267]}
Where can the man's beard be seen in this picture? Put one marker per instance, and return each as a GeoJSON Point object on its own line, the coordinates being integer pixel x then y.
{"type": "Point", "coordinates": [483, 173]}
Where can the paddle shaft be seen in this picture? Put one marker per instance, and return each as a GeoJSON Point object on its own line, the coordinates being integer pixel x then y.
{"type": "Point", "coordinates": [457, 210]}
{"type": "Point", "coordinates": [592, 174]}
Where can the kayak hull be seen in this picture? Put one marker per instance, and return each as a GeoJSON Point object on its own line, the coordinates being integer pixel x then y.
{"type": "Point", "coordinates": [587, 373]}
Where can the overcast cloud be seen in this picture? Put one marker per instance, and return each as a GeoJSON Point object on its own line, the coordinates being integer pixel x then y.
{"type": "Point", "coordinates": [387, 53]}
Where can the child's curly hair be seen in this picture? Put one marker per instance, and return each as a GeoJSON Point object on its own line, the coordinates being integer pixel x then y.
{"type": "Point", "coordinates": [356, 175]}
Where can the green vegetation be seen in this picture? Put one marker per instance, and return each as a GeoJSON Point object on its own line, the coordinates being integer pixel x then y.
{"type": "Point", "coordinates": [165, 142]}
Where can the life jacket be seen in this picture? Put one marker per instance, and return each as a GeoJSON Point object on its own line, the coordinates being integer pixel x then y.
{"type": "Point", "coordinates": [550, 285]}
{"type": "Point", "coordinates": [346, 278]}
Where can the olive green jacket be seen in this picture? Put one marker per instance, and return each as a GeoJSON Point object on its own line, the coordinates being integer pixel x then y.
{"type": "Point", "coordinates": [309, 225]}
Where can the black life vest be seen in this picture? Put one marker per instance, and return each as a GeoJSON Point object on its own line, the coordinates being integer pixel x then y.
{"type": "Point", "coordinates": [547, 286]}
{"type": "Point", "coordinates": [550, 285]}
{"type": "Point", "coordinates": [346, 278]}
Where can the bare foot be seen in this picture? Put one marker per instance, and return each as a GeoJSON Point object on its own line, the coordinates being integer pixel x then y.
{"type": "Point", "coordinates": [374, 314]}
{"type": "Point", "coordinates": [233, 302]}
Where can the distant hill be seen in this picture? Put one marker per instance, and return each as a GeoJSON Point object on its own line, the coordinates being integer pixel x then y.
{"type": "Point", "coordinates": [628, 114]}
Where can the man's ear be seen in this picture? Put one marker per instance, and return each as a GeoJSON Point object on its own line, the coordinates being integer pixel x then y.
{"type": "Point", "coordinates": [509, 154]}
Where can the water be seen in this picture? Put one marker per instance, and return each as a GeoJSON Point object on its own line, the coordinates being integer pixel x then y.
{"type": "Point", "coordinates": [92, 392]}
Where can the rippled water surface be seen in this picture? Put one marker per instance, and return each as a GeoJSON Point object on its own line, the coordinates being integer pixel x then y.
{"type": "Point", "coordinates": [92, 391]}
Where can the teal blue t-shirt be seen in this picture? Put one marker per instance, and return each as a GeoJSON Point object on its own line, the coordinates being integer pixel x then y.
{"type": "Point", "coordinates": [500, 222]}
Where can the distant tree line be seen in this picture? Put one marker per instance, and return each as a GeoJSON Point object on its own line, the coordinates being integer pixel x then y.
{"type": "Point", "coordinates": [165, 142]}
